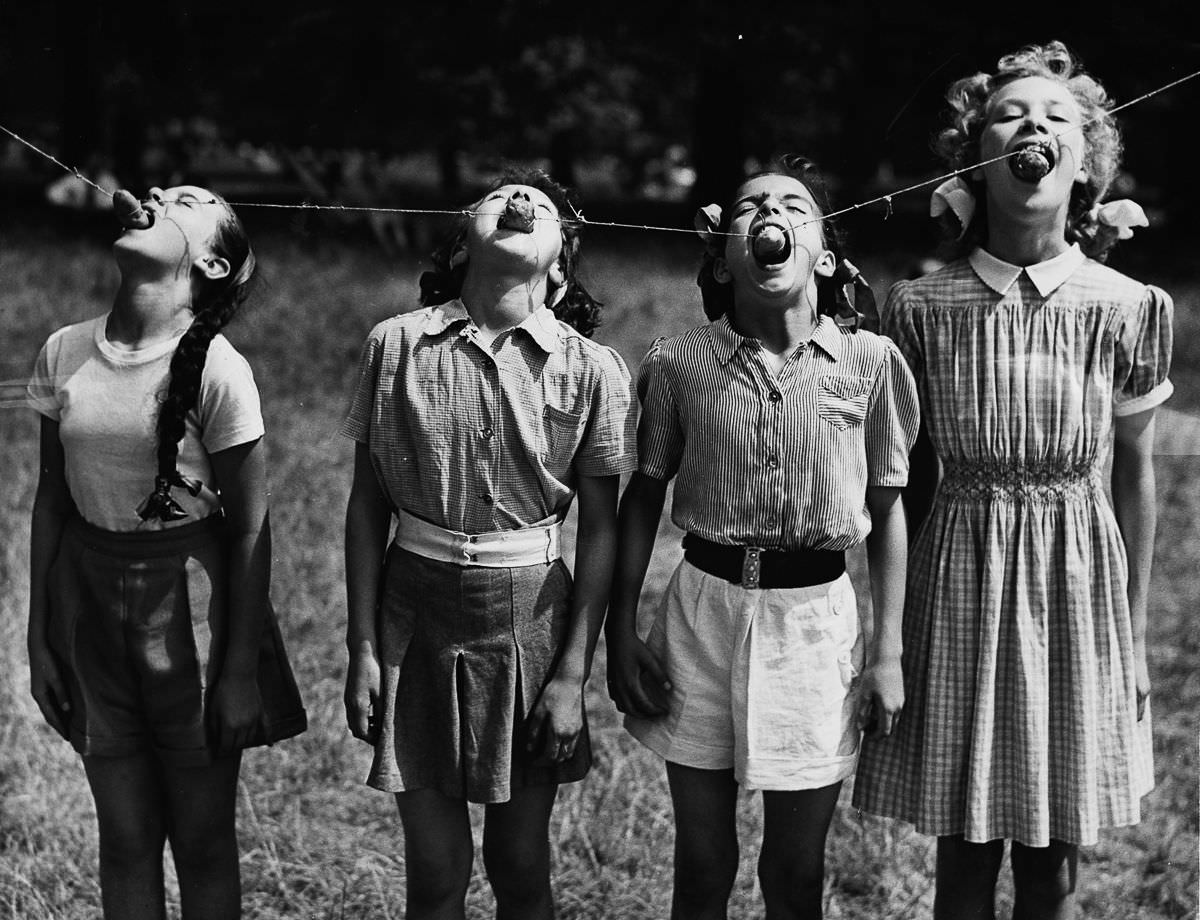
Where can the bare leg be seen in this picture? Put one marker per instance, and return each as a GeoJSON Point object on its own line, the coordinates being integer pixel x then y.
{"type": "Point", "coordinates": [966, 879]}
{"type": "Point", "coordinates": [438, 852]}
{"type": "Point", "coordinates": [706, 844]}
{"type": "Point", "coordinates": [791, 866]}
{"type": "Point", "coordinates": [202, 828]}
{"type": "Point", "coordinates": [516, 854]}
{"type": "Point", "coordinates": [130, 812]}
{"type": "Point", "coordinates": [1044, 879]}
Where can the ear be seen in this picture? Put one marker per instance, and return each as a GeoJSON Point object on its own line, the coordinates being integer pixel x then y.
{"type": "Point", "coordinates": [459, 256]}
{"type": "Point", "coordinates": [557, 275]}
{"type": "Point", "coordinates": [825, 264]}
{"type": "Point", "coordinates": [212, 267]}
{"type": "Point", "coordinates": [721, 271]}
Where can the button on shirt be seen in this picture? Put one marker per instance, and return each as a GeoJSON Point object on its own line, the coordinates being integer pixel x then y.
{"type": "Point", "coordinates": [776, 461]}
{"type": "Point", "coordinates": [476, 438]}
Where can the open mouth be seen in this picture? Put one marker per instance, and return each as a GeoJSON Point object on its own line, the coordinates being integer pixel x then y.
{"type": "Point", "coordinates": [518, 215]}
{"type": "Point", "coordinates": [770, 244]}
{"type": "Point", "coordinates": [130, 212]}
{"type": "Point", "coordinates": [1032, 162]}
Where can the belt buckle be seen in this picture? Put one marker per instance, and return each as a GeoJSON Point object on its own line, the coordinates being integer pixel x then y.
{"type": "Point", "coordinates": [751, 566]}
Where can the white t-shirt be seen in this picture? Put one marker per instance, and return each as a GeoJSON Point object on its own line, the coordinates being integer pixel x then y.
{"type": "Point", "coordinates": [106, 401]}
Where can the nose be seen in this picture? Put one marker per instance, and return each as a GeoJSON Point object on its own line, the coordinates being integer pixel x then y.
{"type": "Point", "coordinates": [769, 206]}
{"type": "Point", "coordinates": [1035, 123]}
{"type": "Point", "coordinates": [157, 196]}
{"type": "Point", "coordinates": [519, 195]}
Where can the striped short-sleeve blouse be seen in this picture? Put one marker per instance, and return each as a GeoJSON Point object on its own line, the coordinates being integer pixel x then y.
{"type": "Point", "coordinates": [780, 461]}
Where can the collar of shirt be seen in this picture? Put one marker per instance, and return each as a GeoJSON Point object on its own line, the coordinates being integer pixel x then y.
{"type": "Point", "coordinates": [826, 335]}
{"type": "Point", "coordinates": [541, 324]}
{"type": "Point", "coordinates": [1046, 276]}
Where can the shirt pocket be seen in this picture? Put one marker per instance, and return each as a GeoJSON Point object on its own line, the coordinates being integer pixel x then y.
{"type": "Point", "coordinates": [842, 400]}
{"type": "Point", "coordinates": [563, 431]}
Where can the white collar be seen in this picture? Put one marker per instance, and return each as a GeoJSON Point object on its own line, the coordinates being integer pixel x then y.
{"type": "Point", "coordinates": [1046, 276]}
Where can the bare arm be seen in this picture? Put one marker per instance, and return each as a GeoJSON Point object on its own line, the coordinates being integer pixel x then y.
{"type": "Point", "coordinates": [923, 473]}
{"type": "Point", "coordinates": [556, 720]}
{"type": "Point", "coordinates": [241, 474]}
{"type": "Point", "coordinates": [52, 506]}
{"type": "Point", "coordinates": [368, 523]}
{"type": "Point", "coordinates": [887, 558]}
{"type": "Point", "coordinates": [637, 523]}
{"type": "Point", "coordinates": [1134, 503]}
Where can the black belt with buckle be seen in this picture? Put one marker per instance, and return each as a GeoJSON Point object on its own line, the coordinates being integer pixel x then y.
{"type": "Point", "coordinates": [755, 567]}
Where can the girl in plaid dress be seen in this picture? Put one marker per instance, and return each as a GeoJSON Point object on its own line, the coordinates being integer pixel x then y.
{"type": "Point", "coordinates": [477, 421]}
{"type": "Point", "coordinates": [1026, 682]}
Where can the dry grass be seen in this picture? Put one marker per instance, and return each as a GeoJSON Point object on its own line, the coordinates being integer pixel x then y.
{"type": "Point", "coordinates": [315, 842]}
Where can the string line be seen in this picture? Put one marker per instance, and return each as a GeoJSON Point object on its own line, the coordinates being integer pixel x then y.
{"type": "Point", "coordinates": [618, 225]}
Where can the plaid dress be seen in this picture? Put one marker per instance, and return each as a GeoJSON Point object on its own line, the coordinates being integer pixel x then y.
{"type": "Point", "coordinates": [1020, 717]}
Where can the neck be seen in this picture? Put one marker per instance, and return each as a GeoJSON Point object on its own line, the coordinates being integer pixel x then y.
{"type": "Point", "coordinates": [140, 317]}
{"type": "Point", "coordinates": [499, 302]}
{"type": "Point", "coordinates": [779, 330]}
{"type": "Point", "coordinates": [1026, 239]}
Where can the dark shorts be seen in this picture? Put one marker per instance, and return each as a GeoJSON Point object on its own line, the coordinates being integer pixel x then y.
{"type": "Point", "coordinates": [138, 622]}
{"type": "Point", "coordinates": [465, 652]}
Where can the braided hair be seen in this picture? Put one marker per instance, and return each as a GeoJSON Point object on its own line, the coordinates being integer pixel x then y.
{"type": "Point", "coordinates": [215, 302]}
{"type": "Point", "coordinates": [717, 297]}
{"type": "Point", "coordinates": [576, 308]}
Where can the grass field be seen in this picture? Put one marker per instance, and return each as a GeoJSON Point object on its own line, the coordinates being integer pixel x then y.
{"type": "Point", "coordinates": [316, 843]}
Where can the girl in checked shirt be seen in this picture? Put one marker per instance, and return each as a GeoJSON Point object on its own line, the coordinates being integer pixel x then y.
{"type": "Point", "coordinates": [478, 419]}
{"type": "Point", "coordinates": [787, 433]}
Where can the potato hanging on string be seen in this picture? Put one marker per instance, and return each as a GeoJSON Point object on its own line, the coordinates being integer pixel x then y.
{"type": "Point", "coordinates": [130, 212]}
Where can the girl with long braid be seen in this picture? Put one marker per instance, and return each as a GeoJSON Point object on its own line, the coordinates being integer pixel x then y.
{"type": "Point", "coordinates": [152, 644]}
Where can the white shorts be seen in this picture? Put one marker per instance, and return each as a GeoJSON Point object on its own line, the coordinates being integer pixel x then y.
{"type": "Point", "coordinates": [763, 680]}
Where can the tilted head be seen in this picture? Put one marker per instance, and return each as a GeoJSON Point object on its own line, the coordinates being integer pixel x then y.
{"type": "Point", "coordinates": [524, 214]}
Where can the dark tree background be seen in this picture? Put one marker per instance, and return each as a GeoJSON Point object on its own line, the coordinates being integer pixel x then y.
{"type": "Point", "coordinates": [856, 84]}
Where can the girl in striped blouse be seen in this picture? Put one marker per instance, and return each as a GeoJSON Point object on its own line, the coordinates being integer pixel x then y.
{"type": "Point", "coordinates": [787, 433]}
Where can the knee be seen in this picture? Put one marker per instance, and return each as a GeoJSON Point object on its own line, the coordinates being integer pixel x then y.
{"type": "Point", "coordinates": [131, 843]}
{"type": "Point", "coordinates": [434, 879]}
{"type": "Point", "coordinates": [791, 879]}
{"type": "Point", "coordinates": [1044, 874]}
{"type": "Point", "coordinates": [203, 847]}
{"type": "Point", "coordinates": [705, 871]}
{"type": "Point", "coordinates": [518, 873]}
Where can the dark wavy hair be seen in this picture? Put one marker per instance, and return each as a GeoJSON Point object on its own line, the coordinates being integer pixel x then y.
{"type": "Point", "coordinates": [831, 298]}
{"type": "Point", "coordinates": [958, 144]}
{"type": "Point", "coordinates": [576, 308]}
{"type": "Point", "coordinates": [214, 304]}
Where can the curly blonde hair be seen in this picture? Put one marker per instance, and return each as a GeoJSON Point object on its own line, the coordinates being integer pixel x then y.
{"type": "Point", "coordinates": [958, 144]}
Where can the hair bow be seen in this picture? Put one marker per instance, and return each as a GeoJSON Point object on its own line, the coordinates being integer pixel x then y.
{"type": "Point", "coordinates": [706, 222]}
{"type": "Point", "coordinates": [1122, 216]}
{"type": "Point", "coordinates": [956, 196]}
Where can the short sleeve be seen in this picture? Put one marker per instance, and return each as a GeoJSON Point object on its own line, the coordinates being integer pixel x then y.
{"type": "Point", "coordinates": [1143, 355]}
{"type": "Point", "coordinates": [896, 322]}
{"type": "Point", "coordinates": [357, 424]}
{"type": "Point", "coordinates": [41, 393]}
{"type": "Point", "coordinates": [660, 433]}
{"type": "Point", "coordinates": [607, 448]}
{"type": "Point", "coordinates": [893, 417]}
{"type": "Point", "coordinates": [229, 407]}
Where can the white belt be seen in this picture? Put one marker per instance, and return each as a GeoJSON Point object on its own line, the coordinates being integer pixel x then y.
{"type": "Point", "coordinates": [500, 549]}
